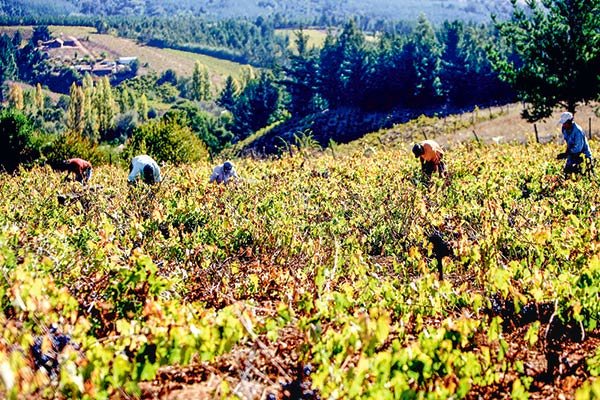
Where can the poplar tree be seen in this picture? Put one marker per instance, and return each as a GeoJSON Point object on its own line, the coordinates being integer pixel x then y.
{"type": "Point", "coordinates": [200, 83]}
{"type": "Point", "coordinates": [105, 106]}
{"type": "Point", "coordinates": [15, 96]}
{"type": "Point", "coordinates": [90, 117]}
{"type": "Point", "coordinates": [76, 110]}
{"type": "Point", "coordinates": [143, 108]}
{"type": "Point", "coordinates": [39, 98]}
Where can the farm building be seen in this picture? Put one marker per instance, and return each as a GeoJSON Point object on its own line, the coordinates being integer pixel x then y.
{"type": "Point", "coordinates": [126, 60]}
{"type": "Point", "coordinates": [53, 44]}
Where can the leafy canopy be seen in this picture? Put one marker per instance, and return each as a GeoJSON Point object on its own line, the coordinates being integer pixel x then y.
{"type": "Point", "coordinates": [557, 44]}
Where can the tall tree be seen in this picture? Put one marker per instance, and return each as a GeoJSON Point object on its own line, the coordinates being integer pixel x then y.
{"type": "Point", "coordinates": [32, 63]}
{"type": "Point", "coordinates": [15, 97]}
{"type": "Point", "coordinates": [341, 66]}
{"type": "Point", "coordinates": [302, 78]}
{"type": "Point", "coordinates": [17, 39]}
{"type": "Point", "coordinates": [257, 105]}
{"type": "Point", "coordinates": [39, 98]}
{"type": "Point", "coordinates": [423, 54]}
{"type": "Point", "coordinates": [229, 94]}
{"type": "Point", "coordinates": [76, 110]}
{"type": "Point", "coordinates": [8, 65]}
{"type": "Point", "coordinates": [558, 46]}
{"type": "Point", "coordinates": [90, 115]}
{"type": "Point", "coordinates": [104, 104]}
{"type": "Point", "coordinates": [200, 83]}
{"type": "Point", "coordinates": [143, 108]}
{"type": "Point", "coordinates": [41, 33]}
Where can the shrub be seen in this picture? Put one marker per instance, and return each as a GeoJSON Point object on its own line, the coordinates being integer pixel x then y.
{"type": "Point", "coordinates": [70, 145]}
{"type": "Point", "coordinates": [19, 143]}
{"type": "Point", "coordinates": [166, 141]}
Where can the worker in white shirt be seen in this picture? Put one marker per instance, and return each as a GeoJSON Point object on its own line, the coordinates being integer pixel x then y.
{"type": "Point", "coordinates": [146, 167]}
{"type": "Point", "coordinates": [223, 173]}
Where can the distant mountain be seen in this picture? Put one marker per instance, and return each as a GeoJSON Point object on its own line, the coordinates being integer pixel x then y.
{"type": "Point", "coordinates": [435, 10]}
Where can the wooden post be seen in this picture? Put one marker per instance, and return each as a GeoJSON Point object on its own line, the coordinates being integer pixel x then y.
{"type": "Point", "coordinates": [110, 159]}
{"type": "Point", "coordinates": [476, 138]}
{"type": "Point", "coordinates": [425, 134]}
{"type": "Point", "coordinates": [537, 137]}
{"type": "Point", "coordinates": [590, 128]}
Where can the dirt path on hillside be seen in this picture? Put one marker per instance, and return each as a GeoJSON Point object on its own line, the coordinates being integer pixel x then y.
{"type": "Point", "coordinates": [495, 125]}
{"type": "Point", "coordinates": [81, 47]}
{"type": "Point", "coordinates": [510, 127]}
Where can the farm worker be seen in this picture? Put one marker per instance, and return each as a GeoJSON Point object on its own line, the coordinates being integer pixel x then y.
{"type": "Point", "coordinates": [223, 173]}
{"type": "Point", "coordinates": [82, 169]}
{"type": "Point", "coordinates": [146, 167]}
{"type": "Point", "coordinates": [430, 154]}
{"type": "Point", "coordinates": [577, 145]}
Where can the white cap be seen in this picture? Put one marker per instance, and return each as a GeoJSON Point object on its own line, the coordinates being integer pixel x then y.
{"type": "Point", "coordinates": [564, 117]}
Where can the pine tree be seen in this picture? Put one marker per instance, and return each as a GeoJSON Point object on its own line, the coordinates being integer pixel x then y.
{"type": "Point", "coordinates": [302, 79]}
{"type": "Point", "coordinates": [229, 94]}
{"type": "Point", "coordinates": [422, 55]}
{"type": "Point", "coordinates": [342, 67]}
{"type": "Point", "coordinates": [257, 105]}
{"type": "Point", "coordinates": [8, 65]}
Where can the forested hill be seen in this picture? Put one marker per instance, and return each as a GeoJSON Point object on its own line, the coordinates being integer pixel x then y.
{"type": "Point", "coordinates": [435, 10]}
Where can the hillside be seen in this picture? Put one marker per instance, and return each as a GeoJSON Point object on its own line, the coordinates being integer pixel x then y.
{"type": "Point", "coordinates": [101, 46]}
{"type": "Point", "coordinates": [498, 124]}
{"type": "Point", "coordinates": [314, 275]}
{"type": "Point", "coordinates": [436, 10]}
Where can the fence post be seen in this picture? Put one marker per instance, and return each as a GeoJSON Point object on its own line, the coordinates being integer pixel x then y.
{"type": "Point", "coordinates": [476, 138]}
{"type": "Point", "coordinates": [590, 128]}
{"type": "Point", "coordinates": [537, 137]}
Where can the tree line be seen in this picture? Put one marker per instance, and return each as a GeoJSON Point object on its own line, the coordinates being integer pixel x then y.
{"type": "Point", "coordinates": [433, 70]}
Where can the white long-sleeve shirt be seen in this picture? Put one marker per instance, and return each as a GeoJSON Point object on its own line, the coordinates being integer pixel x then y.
{"type": "Point", "coordinates": [220, 176]}
{"type": "Point", "coordinates": [137, 167]}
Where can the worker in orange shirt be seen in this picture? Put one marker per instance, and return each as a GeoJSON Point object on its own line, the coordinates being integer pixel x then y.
{"type": "Point", "coordinates": [431, 154]}
{"type": "Point", "coordinates": [82, 169]}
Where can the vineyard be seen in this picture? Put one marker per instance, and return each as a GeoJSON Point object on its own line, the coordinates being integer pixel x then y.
{"type": "Point", "coordinates": [317, 276]}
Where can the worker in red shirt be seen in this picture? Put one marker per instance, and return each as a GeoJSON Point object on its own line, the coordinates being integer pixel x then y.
{"type": "Point", "coordinates": [82, 169]}
{"type": "Point", "coordinates": [430, 154]}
